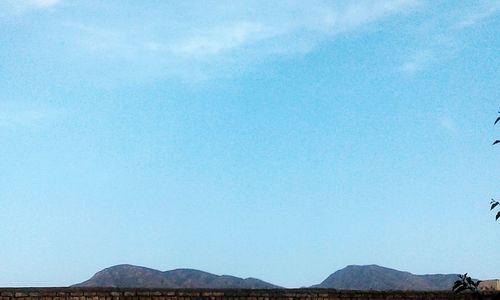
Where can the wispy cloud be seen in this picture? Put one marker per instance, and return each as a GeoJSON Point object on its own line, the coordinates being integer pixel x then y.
{"type": "Point", "coordinates": [222, 39]}
{"type": "Point", "coordinates": [15, 117]}
{"type": "Point", "coordinates": [20, 6]}
{"type": "Point", "coordinates": [100, 40]}
{"type": "Point", "coordinates": [362, 12]}
{"type": "Point", "coordinates": [442, 38]}
{"type": "Point", "coordinates": [44, 3]}
{"type": "Point", "coordinates": [417, 62]}
{"type": "Point", "coordinates": [478, 14]}
{"type": "Point", "coordinates": [189, 40]}
{"type": "Point", "coordinates": [448, 123]}
{"type": "Point", "coordinates": [214, 38]}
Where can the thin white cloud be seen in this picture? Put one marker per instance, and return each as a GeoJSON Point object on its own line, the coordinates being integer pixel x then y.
{"type": "Point", "coordinates": [15, 8]}
{"type": "Point", "coordinates": [448, 123]}
{"type": "Point", "coordinates": [442, 43]}
{"type": "Point", "coordinates": [417, 62]}
{"type": "Point", "coordinates": [277, 23]}
{"type": "Point", "coordinates": [20, 6]}
{"type": "Point", "coordinates": [478, 14]}
{"type": "Point", "coordinates": [194, 40]}
{"type": "Point", "coordinates": [222, 39]}
{"type": "Point", "coordinates": [359, 13]}
{"type": "Point", "coordinates": [100, 40]}
{"type": "Point", "coordinates": [213, 39]}
{"type": "Point", "coordinates": [45, 3]}
{"type": "Point", "coordinates": [11, 117]}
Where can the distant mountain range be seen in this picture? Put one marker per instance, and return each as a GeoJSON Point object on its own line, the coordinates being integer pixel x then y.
{"type": "Point", "coordinates": [129, 276]}
{"type": "Point", "coordinates": [369, 277]}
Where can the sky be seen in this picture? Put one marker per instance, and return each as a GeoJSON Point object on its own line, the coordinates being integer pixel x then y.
{"type": "Point", "coordinates": [282, 140]}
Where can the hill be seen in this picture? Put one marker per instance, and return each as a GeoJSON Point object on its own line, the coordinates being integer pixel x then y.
{"type": "Point", "coordinates": [129, 276]}
{"type": "Point", "coordinates": [373, 277]}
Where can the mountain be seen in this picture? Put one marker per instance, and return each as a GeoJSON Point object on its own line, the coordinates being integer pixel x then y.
{"type": "Point", "coordinates": [129, 276]}
{"type": "Point", "coordinates": [370, 277]}
{"type": "Point", "coordinates": [373, 277]}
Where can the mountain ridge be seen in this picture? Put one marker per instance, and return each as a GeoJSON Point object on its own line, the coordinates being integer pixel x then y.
{"type": "Point", "coordinates": [352, 277]}
{"type": "Point", "coordinates": [375, 277]}
{"type": "Point", "coordinates": [130, 276]}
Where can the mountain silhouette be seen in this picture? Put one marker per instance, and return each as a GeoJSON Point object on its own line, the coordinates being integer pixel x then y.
{"type": "Point", "coordinates": [353, 277]}
{"type": "Point", "coordinates": [374, 277]}
{"type": "Point", "coordinates": [130, 276]}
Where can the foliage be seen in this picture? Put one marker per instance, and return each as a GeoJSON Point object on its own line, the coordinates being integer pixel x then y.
{"type": "Point", "coordinates": [493, 205]}
{"type": "Point", "coordinates": [493, 202]}
{"type": "Point", "coordinates": [465, 283]}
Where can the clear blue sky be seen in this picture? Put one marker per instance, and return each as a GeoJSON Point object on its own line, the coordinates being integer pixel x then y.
{"type": "Point", "coordinates": [276, 139]}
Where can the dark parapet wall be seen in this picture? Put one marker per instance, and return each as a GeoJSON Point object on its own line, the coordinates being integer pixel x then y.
{"type": "Point", "coordinates": [200, 294]}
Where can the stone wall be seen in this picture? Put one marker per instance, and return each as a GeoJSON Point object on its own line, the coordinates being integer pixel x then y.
{"type": "Point", "coordinates": [279, 294]}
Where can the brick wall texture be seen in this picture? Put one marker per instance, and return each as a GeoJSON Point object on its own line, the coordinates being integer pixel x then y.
{"type": "Point", "coordinates": [280, 294]}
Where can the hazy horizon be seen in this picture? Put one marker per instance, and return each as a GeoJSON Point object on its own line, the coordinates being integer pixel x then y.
{"type": "Point", "coordinates": [281, 140]}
